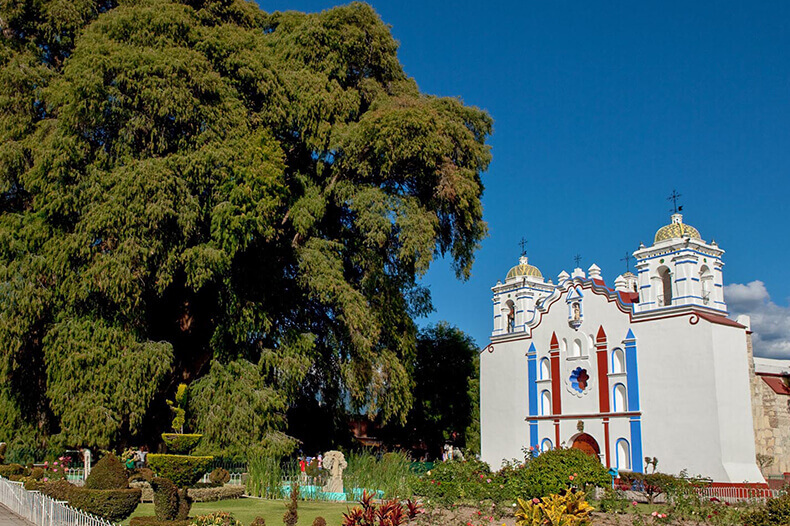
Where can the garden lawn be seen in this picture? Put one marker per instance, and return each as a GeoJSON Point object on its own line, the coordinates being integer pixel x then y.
{"type": "Point", "coordinates": [246, 509]}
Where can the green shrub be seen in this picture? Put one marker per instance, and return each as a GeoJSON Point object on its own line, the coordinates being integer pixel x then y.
{"type": "Point", "coordinates": [112, 504]}
{"type": "Point", "coordinates": [184, 504]}
{"type": "Point", "coordinates": [9, 470]}
{"type": "Point", "coordinates": [203, 485]}
{"type": "Point", "coordinates": [37, 473]}
{"type": "Point", "coordinates": [554, 471]}
{"type": "Point", "coordinates": [141, 474]}
{"type": "Point", "coordinates": [108, 473]}
{"type": "Point", "coordinates": [220, 518]}
{"type": "Point", "coordinates": [219, 476]}
{"type": "Point", "coordinates": [183, 470]}
{"type": "Point", "coordinates": [458, 481]}
{"type": "Point", "coordinates": [180, 443]}
{"type": "Point", "coordinates": [776, 512]}
{"type": "Point", "coordinates": [153, 521]}
{"type": "Point", "coordinates": [214, 494]}
{"type": "Point", "coordinates": [165, 498]}
{"type": "Point", "coordinates": [3, 447]}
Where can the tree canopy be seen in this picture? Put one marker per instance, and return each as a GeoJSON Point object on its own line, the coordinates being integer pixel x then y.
{"type": "Point", "coordinates": [198, 191]}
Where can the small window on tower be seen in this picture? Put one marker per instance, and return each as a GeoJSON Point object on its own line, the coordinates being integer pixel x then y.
{"type": "Point", "coordinates": [511, 316]}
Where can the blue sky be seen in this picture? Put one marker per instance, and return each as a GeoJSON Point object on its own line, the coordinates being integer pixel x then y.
{"type": "Point", "coordinates": [601, 109]}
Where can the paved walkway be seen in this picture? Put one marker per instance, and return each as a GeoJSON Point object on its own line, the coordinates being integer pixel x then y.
{"type": "Point", "coordinates": [9, 518]}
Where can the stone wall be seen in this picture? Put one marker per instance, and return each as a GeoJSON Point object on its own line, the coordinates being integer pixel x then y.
{"type": "Point", "coordinates": [771, 422]}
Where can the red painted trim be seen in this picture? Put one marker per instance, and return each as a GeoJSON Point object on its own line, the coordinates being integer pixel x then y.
{"type": "Point", "coordinates": [556, 396]}
{"type": "Point", "coordinates": [555, 344]}
{"type": "Point", "coordinates": [606, 441]}
{"type": "Point", "coordinates": [556, 433]}
{"type": "Point", "coordinates": [585, 416]}
{"type": "Point", "coordinates": [603, 377]}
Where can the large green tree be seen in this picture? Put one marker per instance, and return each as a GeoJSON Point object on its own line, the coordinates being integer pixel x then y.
{"type": "Point", "coordinates": [200, 191]}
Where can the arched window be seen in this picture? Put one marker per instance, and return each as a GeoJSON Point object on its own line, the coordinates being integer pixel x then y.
{"type": "Point", "coordinates": [545, 369]}
{"type": "Point", "coordinates": [706, 281]}
{"type": "Point", "coordinates": [564, 347]}
{"type": "Point", "coordinates": [577, 347]}
{"type": "Point", "coordinates": [620, 400]}
{"type": "Point", "coordinates": [546, 445]}
{"type": "Point", "coordinates": [623, 455]}
{"type": "Point", "coordinates": [545, 403]}
{"type": "Point", "coordinates": [511, 316]}
{"type": "Point", "coordinates": [666, 285]}
{"type": "Point", "coordinates": [618, 361]}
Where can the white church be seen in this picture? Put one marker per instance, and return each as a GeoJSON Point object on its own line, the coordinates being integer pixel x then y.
{"type": "Point", "coordinates": [652, 367]}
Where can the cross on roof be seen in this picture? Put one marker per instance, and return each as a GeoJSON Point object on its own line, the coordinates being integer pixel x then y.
{"type": "Point", "coordinates": [674, 198]}
{"type": "Point", "coordinates": [627, 260]}
{"type": "Point", "coordinates": [578, 259]}
{"type": "Point", "coordinates": [523, 244]}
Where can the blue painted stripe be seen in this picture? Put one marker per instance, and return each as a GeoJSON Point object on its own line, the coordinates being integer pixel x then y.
{"type": "Point", "coordinates": [681, 251]}
{"type": "Point", "coordinates": [633, 372]}
{"type": "Point", "coordinates": [636, 445]}
{"type": "Point", "coordinates": [532, 379]}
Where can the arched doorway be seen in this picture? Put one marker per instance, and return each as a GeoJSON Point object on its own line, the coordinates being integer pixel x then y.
{"type": "Point", "coordinates": [587, 444]}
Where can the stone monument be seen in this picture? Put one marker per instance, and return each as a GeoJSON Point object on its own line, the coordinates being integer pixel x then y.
{"type": "Point", "coordinates": [335, 463]}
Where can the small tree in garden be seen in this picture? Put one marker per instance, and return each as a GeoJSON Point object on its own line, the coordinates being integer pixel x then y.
{"type": "Point", "coordinates": [291, 516]}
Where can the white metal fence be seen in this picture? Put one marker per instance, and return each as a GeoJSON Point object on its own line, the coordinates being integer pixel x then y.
{"type": "Point", "coordinates": [42, 510]}
{"type": "Point", "coordinates": [733, 494]}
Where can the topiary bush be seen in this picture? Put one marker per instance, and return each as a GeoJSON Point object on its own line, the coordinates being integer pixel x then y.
{"type": "Point", "coordinates": [112, 504]}
{"type": "Point", "coordinates": [259, 521]}
{"type": "Point", "coordinates": [219, 476]}
{"type": "Point", "coordinates": [9, 470]}
{"type": "Point", "coordinates": [108, 473]}
{"type": "Point", "coordinates": [776, 512]}
{"type": "Point", "coordinates": [182, 470]}
{"type": "Point", "coordinates": [37, 473]}
{"type": "Point", "coordinates": [165, 498]}
{"type": "Point", "coordinates": [319, 521]}
{"type": "Point", "coordinates": [553, 471]}
{"type": "Point", "coordinates": [180, 443]}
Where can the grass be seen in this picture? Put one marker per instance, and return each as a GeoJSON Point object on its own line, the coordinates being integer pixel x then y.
{"type": "Point", "coordinates": [246, 509]}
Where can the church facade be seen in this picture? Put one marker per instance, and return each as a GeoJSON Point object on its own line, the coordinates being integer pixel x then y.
{"type": "Point", "coordinates": [651, 367]}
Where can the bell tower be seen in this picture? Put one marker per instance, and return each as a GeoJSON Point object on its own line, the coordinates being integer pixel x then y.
{"type": "Point", "coordinates": [680, 268]}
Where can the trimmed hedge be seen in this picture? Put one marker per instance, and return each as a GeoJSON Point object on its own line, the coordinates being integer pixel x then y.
{"type": "Point", "coordinates": [165, 498]}
{"type": "Point", "coordinates": [183, 470]}
{"type": "Point", "coordinates": [108, 473]}
{"type": "Point", "coordinates": [113, 504]}
{"type": "Point", "coordinates": [212, 494]}
{"type": "Point", "coordinates": [219, 476]}
{"type": "Point", "coordinates": [180, 443]}
{"type": "Point", "coordinates": [8, 470]}
{"type": "Point", "coordinates": [153, 521]}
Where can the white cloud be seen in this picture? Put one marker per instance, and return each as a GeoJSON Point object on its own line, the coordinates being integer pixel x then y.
{"type": "Point", "coordinates": [770, 322]}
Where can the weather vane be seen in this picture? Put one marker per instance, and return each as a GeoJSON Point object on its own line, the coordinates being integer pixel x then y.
{"type": "Point", "coordinates": [578, 259]}
{"type": "Point", "coordinates": [674, 198]}
{"type": "Point", "coordinates": [523, 244]}
{"type": "Point", "coordinates": [627, 260]}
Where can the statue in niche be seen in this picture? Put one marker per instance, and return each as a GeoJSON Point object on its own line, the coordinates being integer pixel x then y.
{"type": "Point", "coordinates": [577, 311]}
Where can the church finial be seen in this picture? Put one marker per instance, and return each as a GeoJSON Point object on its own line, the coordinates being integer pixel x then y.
{"type": "Point", "coordinates": [578, 259]}
{"type": "Point", "coordinates": [523, 244]}
{"type": "Point", "coordinates": [674, 198]}
{"type": "Point", "coordinates": [627, 260]}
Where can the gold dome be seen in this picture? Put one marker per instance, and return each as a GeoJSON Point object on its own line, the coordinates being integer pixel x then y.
{"type": "Point", "coordinates": [524, 269]}
{"type": "Point", "coordinates": [676, 229]}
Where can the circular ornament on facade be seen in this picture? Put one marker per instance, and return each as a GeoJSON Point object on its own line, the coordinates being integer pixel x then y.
{"type": "Point", "coordinates": [661, 260]}
{"type": "Point", "coordinates": [579, 379]}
